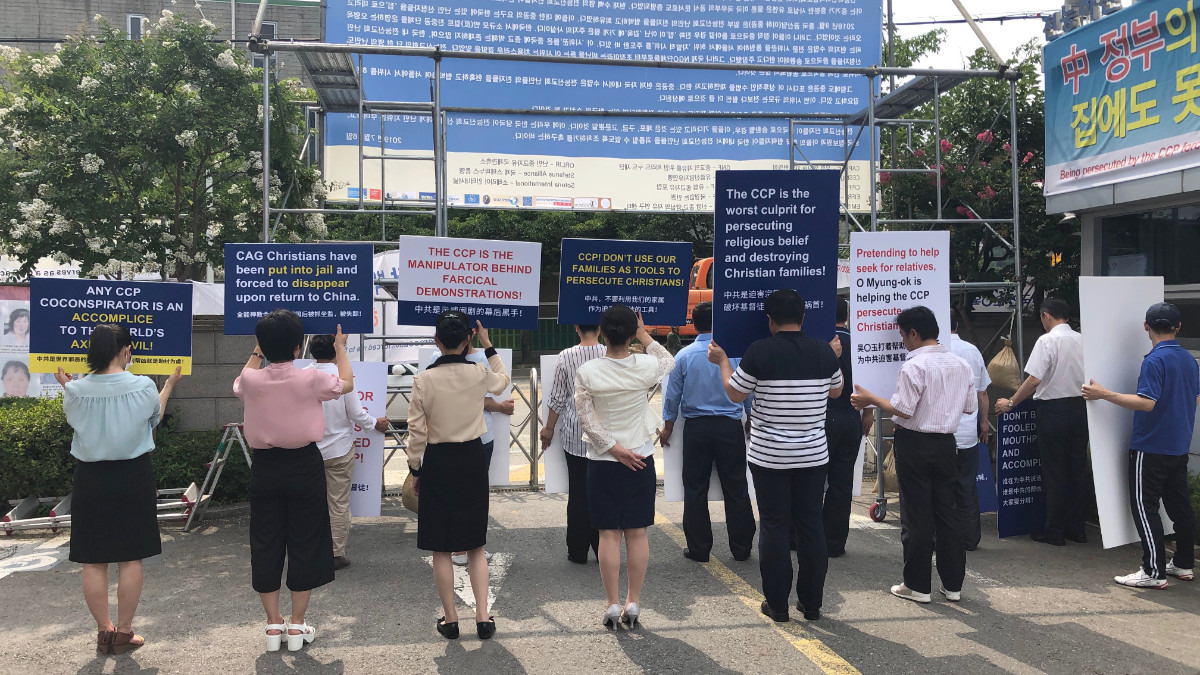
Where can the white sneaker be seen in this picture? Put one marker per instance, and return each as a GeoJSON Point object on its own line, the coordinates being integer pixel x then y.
{"type": "Point", "coordinates": [1140, 579]}
{"type": "Point", "coordinates": [460, 560]}
{"type": "Point", "coordinates": [902, 591]}
{"type": "Point", "coordinates": [952, 596]}
{"type": "Point", "coordinates": [1179, 572]}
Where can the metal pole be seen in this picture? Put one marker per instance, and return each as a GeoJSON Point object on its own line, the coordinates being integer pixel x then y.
{"type": "Point", "coordinates": [1016, 218]}
{"type": "Point", "coordinates": [937, 143]}
{"type": "Point", "coordinates": [232, 19]}
{"type": "Point", "coordinates": [359, 77]}
{"type": "Point", "coordinates": [792, 144]}
{"type": "Point", "coordinates": [258, 19]}
{"type": "Point", "coordinates": [266, 158]}
{"type": "Point", "coordinates": [445, 186]}
{"type": "Point", "coordinates": [382, 179]}
{"type": "Point", "coordinates": [435, 123]}
{"type": "Point", "coordinates": [872, 142]}
{"type": "Point", "coordinates": [535, 423]}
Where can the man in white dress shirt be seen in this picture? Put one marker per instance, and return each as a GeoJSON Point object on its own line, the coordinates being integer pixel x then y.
{"type": "Point", "coordinates": [972, 430]}
{"type": "Point", "coordinates": [337, 447]}
{"type": "Point", "coordinates": [1055, 379]}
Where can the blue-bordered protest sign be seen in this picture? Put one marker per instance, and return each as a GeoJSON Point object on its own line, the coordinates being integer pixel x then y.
{"type": "Point", "coordinates": [326, 284]}
{"type": "Point", "coordinates": [63, 313]}
{"type": "Point", "coordinates": [985, 481]}
{"type": "Point", "coordinates": [1019, 472]}
{"type": "Point", "coordinates": [650, 277]}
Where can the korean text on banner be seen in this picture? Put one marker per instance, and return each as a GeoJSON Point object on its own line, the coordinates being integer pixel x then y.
{"type": "Point", "coordinates": [650, 277]}
{"type": "Point", "coordinates": [1112, 313]}
{"type": "Point", "coordinates": [366, 488]}
{"type": "Point", "coordinates": [1123, 97]}
{"type": "Point", "coordinates": [773, 230]}
{"type": "Point", "coordinates": [494, 282]}
{"type": "Point", "coordinates": [890, 272]}
{"type": "Point", "coordinates": [1022, 508]}
{"type": "Point", "coordinates": [326, 284]}
{"type": "Point", "coordinates": [63, 313]}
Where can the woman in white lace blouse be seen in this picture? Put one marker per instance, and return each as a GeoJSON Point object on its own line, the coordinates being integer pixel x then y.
{"type": "Point", "coordinates": [619, 430]}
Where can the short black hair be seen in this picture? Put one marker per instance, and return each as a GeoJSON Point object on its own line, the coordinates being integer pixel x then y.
{"type": "Point", "coordinates": [920, 319]}
{"type": "Point", "coordinates": [954, 319]}
{"type": "Point", "coordinates": [785, 306]}
{"type": "Point", "coordinates": [17, 366]}
{"type": "Point", "coordinates": [618, 324]}
{"type": "Point", "coordinates": [843, 310]}
{"type": "Point", "coordinates": [18, 313]}
{"type": "Point", "coordinates": [587, 327]}
{"type": "Point", "coordinates": [1056, 308]}
{"type": "Point", "coordinates": [451, 330]}
{"type": "Point", "coordinates": [702, 317]}
{"type": "Point", "coordinates": [321, 347]}
{"type": "Point", "coordinates": [279, 334]}
{"type": "Point", "coordinates": [107, 340]}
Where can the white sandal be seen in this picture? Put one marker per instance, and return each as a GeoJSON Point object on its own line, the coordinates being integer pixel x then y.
{"type": "Point", "coordinates": [274, 641]}
{"type": "Point", "coordinates": [306, 635]}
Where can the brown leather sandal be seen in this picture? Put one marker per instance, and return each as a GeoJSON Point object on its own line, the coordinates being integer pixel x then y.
{"type": "Point", "coordinates": [104, 642]}
{"type": "Point", "coordinates": [126, 642]}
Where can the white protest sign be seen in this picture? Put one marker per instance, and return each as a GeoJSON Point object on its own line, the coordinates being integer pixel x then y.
{"type": "Point", "coordinates": [890, 272]}
{"type": "Point", "coordinates": [498, 423]}
{"type": "Point", "coordinates": [366, 489]}
{"type": "Point", "coordinates": [1112, 312]}
{"type": "Point", "coordinates": [553, 456]}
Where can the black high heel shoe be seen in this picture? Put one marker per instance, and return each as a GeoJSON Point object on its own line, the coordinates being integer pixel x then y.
{"type": "Point", "coordinates": [486, 629]}
{"type": "Point", "coordinates": [448, 630]}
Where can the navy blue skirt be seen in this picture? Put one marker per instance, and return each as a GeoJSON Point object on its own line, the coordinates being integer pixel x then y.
{"type": "Point", "coordinates": [620, 498]}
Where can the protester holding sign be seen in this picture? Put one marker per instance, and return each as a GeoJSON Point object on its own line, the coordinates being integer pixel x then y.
{"type": "Point", "coordinates": [1164, 419]}
{"type": "Point", "coordinates": [447, 460]}
{"type": "Point", "coordinates": [792, 377]}
{"type": "Point", "coordinates": [972, 429]}
{"type": "Point", "coordinates": [610, 395]}
{"type": "Point", "coordinates": [289, 514]}
{"type": "Point", "coordinates": [934, 390]}
{"type": "Point", "coordinates": [561, 412]}
{"type": "Point", "coordinates": [114, 511]}
{"type": "Point", "coordinates": [337, 447]}
{"type": "Point", "coordinates": [1055, 375]}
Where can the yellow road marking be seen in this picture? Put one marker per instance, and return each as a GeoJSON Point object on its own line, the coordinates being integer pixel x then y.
{"type": "Point", "coordinates": [816, 651]}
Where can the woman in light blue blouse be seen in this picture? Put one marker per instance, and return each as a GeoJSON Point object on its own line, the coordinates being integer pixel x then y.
{"type": "Point", "coordinates": [114, 508]}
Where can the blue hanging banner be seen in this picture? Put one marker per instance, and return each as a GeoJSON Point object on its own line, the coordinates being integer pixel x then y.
{"type": "Point", "coordinates": [1022, 508]}
{"type": "Point", "coordinates": [326, 284]}
{"type": "Point", "coordinates": [773, 230]}
{"type": "Point", "coordinates": [985, 481]}
{"type": "Point", "coordinates": [650, 277]}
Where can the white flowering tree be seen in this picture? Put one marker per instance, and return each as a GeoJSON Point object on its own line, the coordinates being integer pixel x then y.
{"type": "Point", "coordinates": [135, 156]}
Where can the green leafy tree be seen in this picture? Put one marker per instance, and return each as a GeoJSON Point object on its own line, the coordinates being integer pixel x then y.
{"type": "Point", "coordinates": [144, 155]}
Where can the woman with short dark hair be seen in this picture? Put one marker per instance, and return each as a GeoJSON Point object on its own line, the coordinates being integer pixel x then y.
{"type": "Point", "coordinates": [611, 395]}
{"type": "Point", "coordinates": [288, 513]}
{"type": "Point", "coordinates": [15, 378]}
{"type": "Point", "coordinates": [114, 514]}
{"type": "Point", "coordinates": [16, 329]}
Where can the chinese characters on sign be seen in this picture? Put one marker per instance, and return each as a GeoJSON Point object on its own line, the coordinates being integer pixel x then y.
{"type": "Point", "coordinates": [1019, 472]}
{"type": "Point", "coordinates": [648, 276]}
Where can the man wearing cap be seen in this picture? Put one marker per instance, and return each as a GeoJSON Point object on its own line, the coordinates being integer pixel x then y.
{"type": "Point", "coordinates": [1055, 374]}
{"type": "Point", "coordinates": [1164, 417]}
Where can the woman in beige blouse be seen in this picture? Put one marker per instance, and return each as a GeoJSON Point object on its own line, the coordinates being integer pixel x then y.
{"type": "Point", "coordinates": [611, 394]}
{"type": "Point", "coordinates": [449, 466]}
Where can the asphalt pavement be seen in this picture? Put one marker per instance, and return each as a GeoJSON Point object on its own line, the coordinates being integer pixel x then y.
{"type": "Point", "coordinates": [1026, 608]}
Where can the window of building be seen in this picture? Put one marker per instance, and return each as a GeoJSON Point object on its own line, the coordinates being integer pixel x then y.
{"type": "Point", "coordinates": [135, 26]}
{"type": "Point", "coordinates": [268, 31]}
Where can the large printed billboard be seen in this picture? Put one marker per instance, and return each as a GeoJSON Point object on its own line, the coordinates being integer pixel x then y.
{"type": "Point", "coordinates": [1123, 97]}
{"type": "Point", "coordinates": [564, 162]}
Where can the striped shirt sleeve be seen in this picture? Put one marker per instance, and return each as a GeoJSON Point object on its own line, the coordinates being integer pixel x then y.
{"type": "Point", "coordinates": [909, 389]}
{"type": "Point", "coordinates": [560, 389]}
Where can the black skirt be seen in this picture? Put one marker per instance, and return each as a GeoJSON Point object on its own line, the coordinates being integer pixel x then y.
{"type": "Point", "coordinates": [454, 497]}
{"type": "Point", "coordinates": [114, 511]}
{"type": "Point", "coordinates": [620, 498]}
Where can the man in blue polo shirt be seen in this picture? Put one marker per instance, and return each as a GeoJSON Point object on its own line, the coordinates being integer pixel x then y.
{"type": "Point", "coordinates": [1163, 419]}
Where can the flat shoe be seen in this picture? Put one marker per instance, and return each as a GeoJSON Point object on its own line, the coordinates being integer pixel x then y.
{"type": "Point", "coordinates": [448, 630]}
{"type": "Point", "coordinates": [777, 617]}
{"type": "Point", "coordinates": [126, 642]}
{"type": "Point", "coordinates": [486, 629]}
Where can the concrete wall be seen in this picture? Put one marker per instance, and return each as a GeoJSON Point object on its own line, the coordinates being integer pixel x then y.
{"type": "Point", "coordinates": [54, 19]}
{"type": "Point", "coordinates": [205, 400]}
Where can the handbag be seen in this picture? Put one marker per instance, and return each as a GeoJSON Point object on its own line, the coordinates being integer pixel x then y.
{"type": "Point", "coordinates": [408, 496]}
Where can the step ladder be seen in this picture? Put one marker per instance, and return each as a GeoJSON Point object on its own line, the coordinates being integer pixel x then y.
{"type": "Point", "coordinates": [232, 436]}
{"type": "Point", "coordinates": [173, 504]}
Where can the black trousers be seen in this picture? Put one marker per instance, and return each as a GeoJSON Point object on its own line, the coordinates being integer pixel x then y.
{"type": "Point", "coordinates": [966, 493]}
{"type": "Point", "coordinates": [1063, 442]}
{"type": "Point", "coordinates": [843, 429]}
{"type": "Point", "coordinates": [1161, 477]}
{"type": "Point", "coordinates": [720, 441]}
{"type": "Point", "coordinates": [289, 519]}
{"type": "Point", "coordinates": [580, 533]}
{"type": "Point", "coordinates": [789, 500]}
{"type": "Point", "coordinates": [927, 469]}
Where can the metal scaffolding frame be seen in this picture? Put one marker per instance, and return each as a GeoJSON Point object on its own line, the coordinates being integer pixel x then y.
{"type": "Point", "coordinates": [335, 70]}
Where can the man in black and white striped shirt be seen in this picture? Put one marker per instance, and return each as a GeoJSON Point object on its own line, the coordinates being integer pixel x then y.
{"type": "Point", "coordinates": [792, 377]}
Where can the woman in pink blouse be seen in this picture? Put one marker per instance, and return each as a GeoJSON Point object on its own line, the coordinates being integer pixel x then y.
{"type": "Point", "coordinates": [288, 514]}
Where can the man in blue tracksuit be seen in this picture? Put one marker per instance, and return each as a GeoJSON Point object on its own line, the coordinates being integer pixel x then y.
{"type": "Point", "coordinates": [1164, 416]}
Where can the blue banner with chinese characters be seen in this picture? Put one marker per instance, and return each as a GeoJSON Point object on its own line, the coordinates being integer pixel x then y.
{"type": "Point", "coordinates": [326, 284]}
{"type": "Point", "coordinates": [1123, 97]}
{"type": "Point", "coordinates": [773, 230]}
{"type": "Point", "coordinates": [63, 313]}
{"type": "Point", "coordinates": [1022, 508]}
{"type": "Point", "coordinates": [650, 277]}
{"type": "Point", "coordinates": [985, 481]}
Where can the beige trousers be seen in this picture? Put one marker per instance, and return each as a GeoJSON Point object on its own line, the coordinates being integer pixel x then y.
{"type": "Point", "coordinates": [339, 474]}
